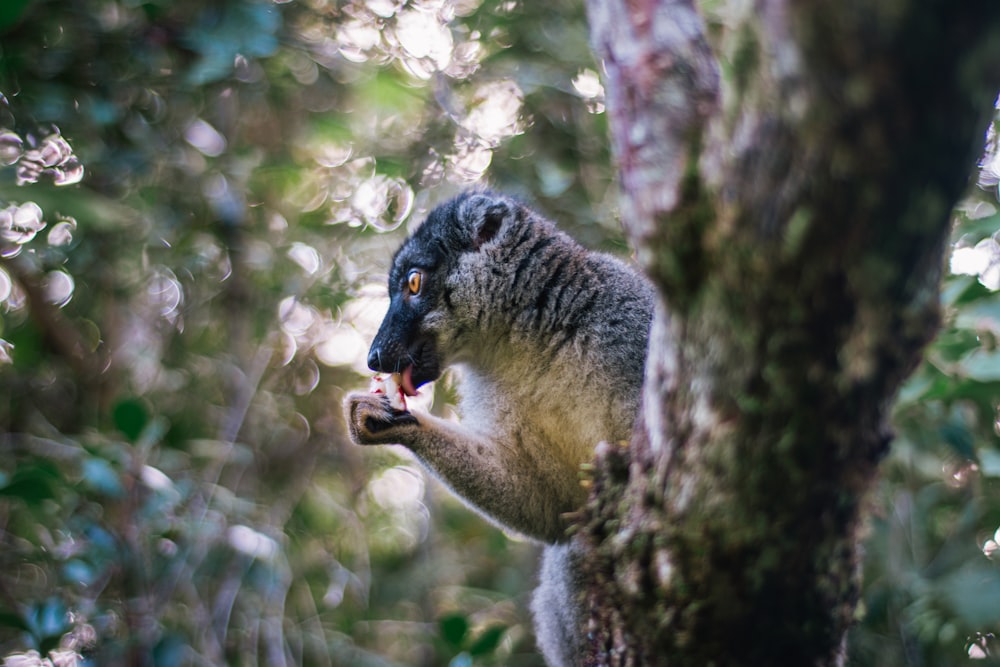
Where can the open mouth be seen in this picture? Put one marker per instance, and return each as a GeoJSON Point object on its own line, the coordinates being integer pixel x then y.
{"type": "Point", "coordinates": [424, 367]}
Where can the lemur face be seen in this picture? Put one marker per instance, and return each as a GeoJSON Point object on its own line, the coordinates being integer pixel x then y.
{"type": "Point", "coordinates": [430, 296]}
{"type": "Point", "coordinates": [404, 345]}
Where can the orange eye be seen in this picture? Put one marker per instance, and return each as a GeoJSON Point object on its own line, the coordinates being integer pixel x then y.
{"type": "Point", "coordinates": [414, 281]}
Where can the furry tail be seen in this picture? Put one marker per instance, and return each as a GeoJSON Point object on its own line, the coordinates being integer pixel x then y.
{"type": "Point", "coordinates": [556, 607]}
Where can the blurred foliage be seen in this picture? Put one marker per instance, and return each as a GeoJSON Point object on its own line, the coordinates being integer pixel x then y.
{"type": "Point", "coordinates": [932, 565]}
{"type": "Point", "coordinates": [179, 327]}
{"type": "Point", "coordinates": [197, 206]}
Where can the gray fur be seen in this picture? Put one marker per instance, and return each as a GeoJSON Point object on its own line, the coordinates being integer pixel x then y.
{"type": "Point", "coordinates": [552, 341]}
{"type": "Point", "coordinates": [556, 606]}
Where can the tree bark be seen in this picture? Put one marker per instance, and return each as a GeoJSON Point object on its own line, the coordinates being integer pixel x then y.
{"type": "Point", "coordinates": [794, 214]}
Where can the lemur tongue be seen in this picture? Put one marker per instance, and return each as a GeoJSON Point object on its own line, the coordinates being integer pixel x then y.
{"type": "Point", "coordinates": [406, 381]}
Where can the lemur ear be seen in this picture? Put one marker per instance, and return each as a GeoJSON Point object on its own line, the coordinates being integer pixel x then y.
{"type": "Point", "coordinates": [486, 216]}
{"type": "Point", "coordinates": [490, 224]}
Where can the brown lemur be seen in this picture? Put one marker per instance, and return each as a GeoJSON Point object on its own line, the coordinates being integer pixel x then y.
{"type": "Point", "coordinates": [552, 341]}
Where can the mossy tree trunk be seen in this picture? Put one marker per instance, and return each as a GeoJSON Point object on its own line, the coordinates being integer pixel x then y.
{"type": "Point", "coordinates": [794, 213]}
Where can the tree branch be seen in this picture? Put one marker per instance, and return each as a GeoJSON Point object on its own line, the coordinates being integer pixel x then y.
{"type": "Point", "coordinates": [655, 57]}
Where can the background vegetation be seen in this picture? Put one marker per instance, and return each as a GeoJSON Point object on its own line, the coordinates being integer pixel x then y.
{"type": "Point", "coordinates": [198, 202]}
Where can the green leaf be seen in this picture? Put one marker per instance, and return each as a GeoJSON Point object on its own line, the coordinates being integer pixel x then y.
{"type": "Point", "coordinates": [218, 36]}
{"type": "Point", "coordinates": [27, 341]}
{"type": "Point", "coordinates": [152, 433]}
{"type": "Point", "coordinates": [981, 315]}
{"type": "Point", "coordinates": [982, 365]}
{"type": "Point", "coordinates": [488, 641]}
{"type": "Point", "coordinates": [90, 334]}
{"type": "Point", "coordinates": [953, 344]}
{"type": "Point", "coordinates": [454, 627]}
{"type": "Point", "coordinates": [973, 593]}
{"type": "Point", "coordinates": [33, 483]}
{"type": "Point", "coordinates": [387, 93]}
{"type": "Point", "coordinates": [918, 385]}
{"type": "Point", "coordinates": [989, 462]}
{"type": "Point", "coordinates": [10, 12]}
{"type": "Point", "coordinates": [963, 289]}
{"type": "Point", "coordinates": [956, 434]}
{"type": "Point", "coordinates": [972, 231]}
{"type": "Point", "coordinates": [130, 417]}
{"type": "Point", "coordinates": [9, 619]}
{"type": "Point", "coordinates": [170, 651]}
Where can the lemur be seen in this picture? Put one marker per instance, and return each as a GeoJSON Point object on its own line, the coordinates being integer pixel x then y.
{"type": "Point", "coordinates": [551, 338]}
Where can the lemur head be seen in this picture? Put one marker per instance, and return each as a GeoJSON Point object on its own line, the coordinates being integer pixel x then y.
{"type": "Point", "coordinates": [424, 304]}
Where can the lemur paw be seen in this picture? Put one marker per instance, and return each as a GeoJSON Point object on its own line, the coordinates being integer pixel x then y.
{"type": "Point", "coordinates": [372, 420]}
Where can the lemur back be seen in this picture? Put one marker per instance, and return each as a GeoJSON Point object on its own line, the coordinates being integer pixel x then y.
{"type": "Point", "coordinates": [551, 339]}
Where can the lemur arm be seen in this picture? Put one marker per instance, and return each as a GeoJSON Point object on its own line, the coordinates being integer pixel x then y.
{"type": "Point", "coordinates": [495, 478]}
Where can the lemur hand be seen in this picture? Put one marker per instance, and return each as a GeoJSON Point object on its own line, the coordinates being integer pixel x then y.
{"type": "Point", "coordinates": [372, 420]}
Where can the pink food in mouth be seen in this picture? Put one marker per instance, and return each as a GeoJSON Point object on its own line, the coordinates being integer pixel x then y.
{"type": "Point", "coordinates": [391, 387]}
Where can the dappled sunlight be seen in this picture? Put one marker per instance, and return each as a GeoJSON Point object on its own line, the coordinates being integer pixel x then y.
{"type": "Point", "coordinates": [6, 285]}
{"type": "Point", "coordinates": [381, 202]}
{"type": "Point", "coordinates": [494, 111]}
{"type": "Point", "coordinates": [588, 85]}
{"type": "Point", "coordinates": [338, 340]}
{"type": "Point", "coordinates": [165, 294]}
{"type": "Point", "coordinates": [423, 41]}
{"type": "Point", "coordinates": [469, 162]}
{"type": "Point", "coordinates": [981, 260]}
{"type": "Point", "coordinates": [493, 114]}
{"type": "Point", "coordinates": [46, 156]}
{"type": "Point", "coordinates": [58, 287]}
{"type": "Point", "coordinates": [20, 223]}
{"type": "Point", "coordinates": [417, 36]}
{"type": "Point", "coordinates": [400, 492]}
{"type": "Point", "coordinates": [11, 147]}
{"type": "Point", "coordinates": [345, 342]}
{"type": "Point", "coordinates": [991, 548]}
{"type": "Point", "coordinates": [297, 319]}
{"type": "Point", "coordinates": [13, 296]}
{"type": "Point", "coordinates": [43, 156]}
{"type": "Point", "coordinates": [989, 163]}
{"type": "Point", "coordinates": [344, 345]}
{"type": "Point", "coordinates": [61, 233]}
{"type": "Point", "coordinates": [54, 658]}
{"type": "Point", "coordinates": [306, 257]}
{"type": "Point", "coordinates": [205, 138]}
{"type": "Point", "coordinates": [252, 543]}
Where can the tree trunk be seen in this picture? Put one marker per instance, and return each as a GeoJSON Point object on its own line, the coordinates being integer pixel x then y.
{"type": "Point", "coordinates": [794, 214]}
